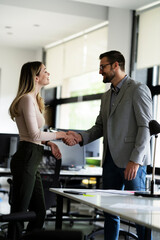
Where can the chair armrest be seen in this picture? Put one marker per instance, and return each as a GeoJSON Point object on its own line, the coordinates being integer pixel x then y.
{"type": "Point", "coordinates": [18, 216]}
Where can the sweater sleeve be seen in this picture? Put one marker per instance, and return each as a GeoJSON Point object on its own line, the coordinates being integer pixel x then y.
{"type": "Point", "coordinates": [31, 121]}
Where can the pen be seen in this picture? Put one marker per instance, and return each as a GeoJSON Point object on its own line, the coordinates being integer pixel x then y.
{"type": "Point", "coordinates": [74, 192]}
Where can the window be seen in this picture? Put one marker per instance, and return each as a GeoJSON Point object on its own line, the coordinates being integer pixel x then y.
{"type": "Point", "coordinates": [79, 115]}
{"type": "Point", "coordinates": [86, 84]}
{"type": "Point", "coordinates": [149, 38]}
{"type": "Point", "coordinates": [148, 58]}
{"type": "Point", "coordinates": [74, 67]}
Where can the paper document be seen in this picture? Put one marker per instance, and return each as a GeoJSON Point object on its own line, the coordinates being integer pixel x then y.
{"type": "Point", "coordinates": [120, 192]}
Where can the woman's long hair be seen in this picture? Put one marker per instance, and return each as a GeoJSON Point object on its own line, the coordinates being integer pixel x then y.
{"type": "Point", "coordinates": [26, 85]}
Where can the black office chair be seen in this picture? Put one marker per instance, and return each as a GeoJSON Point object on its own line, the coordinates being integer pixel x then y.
{"type": "Point", "coordinates": [50, 169]}
{"type": "Point", "coordinates": [5, 219]}
{"type": "Point", "coordinates": [13, 217]}
{"type": "Point", "coordinates": [127, 234]}
{"type": "Point", "coordinates": [39, 234]}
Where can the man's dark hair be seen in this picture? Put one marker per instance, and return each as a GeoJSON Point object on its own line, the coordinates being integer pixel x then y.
{"type": "Point", "coordinates": [114, 56]}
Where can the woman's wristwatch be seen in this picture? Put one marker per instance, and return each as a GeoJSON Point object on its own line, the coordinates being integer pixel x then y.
{"type": "Point", "coordinates": [46, 143]}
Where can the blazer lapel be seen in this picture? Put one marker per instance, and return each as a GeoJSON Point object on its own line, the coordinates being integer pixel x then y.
{"type": "Point", "coordinates": [120, 95]}
{"type": "Point", "coordinates": [107, 105]}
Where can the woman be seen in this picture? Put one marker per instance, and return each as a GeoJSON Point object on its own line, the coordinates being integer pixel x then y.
{"type": "Point", "coordinates": [27, 110]}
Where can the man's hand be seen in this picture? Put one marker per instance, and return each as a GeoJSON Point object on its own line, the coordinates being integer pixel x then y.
{"type": "Point", "coordinates": [72, 138]}
{"type": "Point", "coordinates": [55, 150]}
{"type": "Point", "coordinates": [131, 170]}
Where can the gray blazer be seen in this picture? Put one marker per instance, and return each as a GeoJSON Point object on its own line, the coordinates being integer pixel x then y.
{"type": "Point", "coordinates": [126, 128]}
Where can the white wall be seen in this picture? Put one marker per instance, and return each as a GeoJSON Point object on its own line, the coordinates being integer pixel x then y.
{"type": "Point", "coordinates": [11, 61]}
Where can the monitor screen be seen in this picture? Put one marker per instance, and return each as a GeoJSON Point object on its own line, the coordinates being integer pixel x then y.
{"type": "Point", "coordinates": [8, 146]}
{"type": "Point", "coordinates": [91, 149]}
{"type": "Point", "coordinates": [72, 157]}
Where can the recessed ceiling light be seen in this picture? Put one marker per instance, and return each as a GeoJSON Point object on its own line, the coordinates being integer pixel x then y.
{"type": "Point", "coordinates": [8, 27]}
{"type": "Point", "coordinates": [36, 25]}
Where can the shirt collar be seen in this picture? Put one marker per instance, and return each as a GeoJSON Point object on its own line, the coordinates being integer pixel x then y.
{"type": "Point", "coordinates": [119, 85]}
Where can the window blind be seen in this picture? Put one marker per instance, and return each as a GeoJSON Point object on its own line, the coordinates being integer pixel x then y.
{"type": "Point", "coordinates": [149, 39]}
{"type": "Point", "coordinates": [76, 57]}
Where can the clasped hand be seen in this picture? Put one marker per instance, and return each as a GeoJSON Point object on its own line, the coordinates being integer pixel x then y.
{"type": "Point", "coordinates": [72, 138]}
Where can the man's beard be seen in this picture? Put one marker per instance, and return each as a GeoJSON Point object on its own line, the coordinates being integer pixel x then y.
{"type": "Point", "coordinates": [108, 78]}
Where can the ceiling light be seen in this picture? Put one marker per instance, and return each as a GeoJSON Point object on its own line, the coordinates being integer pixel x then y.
{"type": "Point", "coordinates": [148, 6]}
{"type": "Point", "coordinates": [8, 27]}
{"type": "Point", "coordinates": [36, 25]}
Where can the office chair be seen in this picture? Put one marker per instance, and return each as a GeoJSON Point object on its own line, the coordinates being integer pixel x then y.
{"type": "Point", "coordinates": [127, 234]}
{"type": "Point", "coordinates": [49, 167]}
{"type": "Point", "coordinates": [38, 234]}
{"type": "Point", "coordinates": [13, 217]}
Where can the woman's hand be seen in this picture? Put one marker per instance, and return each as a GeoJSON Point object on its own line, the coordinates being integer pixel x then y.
{"type": "Point", "coordinates": [60, 135]}
{"type": "Point", "coordinates": [55, 150]}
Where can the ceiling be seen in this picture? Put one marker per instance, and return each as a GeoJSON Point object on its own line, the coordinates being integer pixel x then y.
{"type": "Point", "coordinates": [33, 24]}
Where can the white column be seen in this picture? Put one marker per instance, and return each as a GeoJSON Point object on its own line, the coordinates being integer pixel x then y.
{"type": "Point", "coordinates": [119, 32]}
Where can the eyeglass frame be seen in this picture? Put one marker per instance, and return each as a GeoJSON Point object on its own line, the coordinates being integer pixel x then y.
{"type": "Point", "coordinates": [103, 66]}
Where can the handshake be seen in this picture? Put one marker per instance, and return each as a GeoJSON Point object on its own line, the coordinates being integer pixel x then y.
{"type": "Point", "coordinates": [71, 138]}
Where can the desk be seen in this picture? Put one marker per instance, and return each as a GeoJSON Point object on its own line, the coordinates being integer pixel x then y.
{"type": "Point", "coordinates": [143, 211]}
{"type": "Point", "coordinates": [86, 172]}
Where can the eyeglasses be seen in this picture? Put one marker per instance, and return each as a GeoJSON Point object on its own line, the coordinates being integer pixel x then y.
{"type": "Point", "coordinates": [103, 66]}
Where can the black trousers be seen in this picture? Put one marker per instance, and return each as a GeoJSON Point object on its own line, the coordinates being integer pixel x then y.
{"type": "Point", "coordinates": [27, 186]}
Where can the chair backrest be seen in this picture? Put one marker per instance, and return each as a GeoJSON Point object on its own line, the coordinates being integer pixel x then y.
{"type": "Point", "coordinates": [50, 170]}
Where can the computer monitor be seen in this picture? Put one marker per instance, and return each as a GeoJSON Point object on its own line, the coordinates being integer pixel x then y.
{"type": "Point", "coordinates": [92, 149]}
{"type": "Point", "coordinates": [8, 146]}
{"type": "Point", "coordinates": [73, 157]}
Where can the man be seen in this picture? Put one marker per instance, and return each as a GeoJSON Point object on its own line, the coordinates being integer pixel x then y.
{"type": "Point", "coordinates": [123, 121]}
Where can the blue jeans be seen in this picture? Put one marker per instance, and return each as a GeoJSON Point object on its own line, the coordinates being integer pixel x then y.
{"type": "Point", "coordinates": [113, 178]}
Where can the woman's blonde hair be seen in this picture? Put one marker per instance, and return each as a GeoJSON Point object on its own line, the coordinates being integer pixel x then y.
{"type": "Point", "coordinates": [26, 85]}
